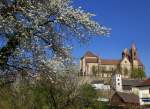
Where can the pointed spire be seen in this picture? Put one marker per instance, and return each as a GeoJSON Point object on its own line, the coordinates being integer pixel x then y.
{"type": "Point", "coordinates": [133, 45]}
{"type": "Point", "coordinates": [126, 50]}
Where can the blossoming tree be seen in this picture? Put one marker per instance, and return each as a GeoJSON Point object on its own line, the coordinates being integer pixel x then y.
{"type": "Point", "coordinates": [48, 25]}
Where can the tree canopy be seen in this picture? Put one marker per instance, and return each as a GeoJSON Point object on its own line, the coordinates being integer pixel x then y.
{"type": "Point", "coordinates": [138, 73]}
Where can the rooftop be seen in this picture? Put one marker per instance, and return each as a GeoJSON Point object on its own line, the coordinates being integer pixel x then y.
{"type": "Point", "coordinates": [144, 83]}
{"type": "Point", "coordinates": [128, 97]}
{"type": "Point", "coordinates": [110, 62]}
{"type": "Point", "coordinates": [131, 82]}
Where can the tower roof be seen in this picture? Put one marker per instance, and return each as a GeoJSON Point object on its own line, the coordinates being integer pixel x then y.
{"type": "Point", "coordinates": [133, 46]}
{"type": "Point", "coordinates": [125, 50]}
{"type": "Point", "coordinates": [89, 54]}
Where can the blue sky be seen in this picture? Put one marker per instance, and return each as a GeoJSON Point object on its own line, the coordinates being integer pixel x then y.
{"type": "Point", "coordinates": [129, 21]}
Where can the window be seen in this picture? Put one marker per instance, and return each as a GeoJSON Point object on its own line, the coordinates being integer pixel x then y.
{"type": "Point", "coordinates": [118, 83]}
{"type": "Point", "coordinates": [134, 53]}
{"type": "Point", "coordinates": [118, 79]}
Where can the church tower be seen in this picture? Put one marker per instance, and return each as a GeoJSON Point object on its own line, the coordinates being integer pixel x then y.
{"type": "Point", "coordinates": [133, 56]}
{"type": "Point", "coordinates": [125, 53]}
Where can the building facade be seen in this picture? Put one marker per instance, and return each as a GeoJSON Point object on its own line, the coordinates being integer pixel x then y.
{"type": "Point", "coordinates": [93, 65]}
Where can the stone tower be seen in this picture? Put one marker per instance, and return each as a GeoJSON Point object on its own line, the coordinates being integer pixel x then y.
{"type": "Point", "coordinates": [117, 82]}
{"type": "Point", "coordinates": [133, 56]}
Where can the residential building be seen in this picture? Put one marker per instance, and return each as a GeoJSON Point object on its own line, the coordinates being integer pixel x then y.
{"type": "Point", "coordinates": [129, 84]}
{"type": "Point", "coordinates": [143, 91]}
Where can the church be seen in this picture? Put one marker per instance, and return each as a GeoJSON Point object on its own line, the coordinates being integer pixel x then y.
{"type": "Point", "coordinates": [93, 65]}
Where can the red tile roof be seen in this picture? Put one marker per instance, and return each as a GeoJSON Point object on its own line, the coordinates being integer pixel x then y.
{"type": "Point", "coordinates": [91, 60]}
{"type": "Point", "coordinates": [103, 61]}
{"type": "Point", "coordinates": [90, 54]}
{"type": "Point", "coordinates": [110, 62]}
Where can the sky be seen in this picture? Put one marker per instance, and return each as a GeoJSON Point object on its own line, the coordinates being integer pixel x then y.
{"type": "Point", "coordinates": [129, 21]}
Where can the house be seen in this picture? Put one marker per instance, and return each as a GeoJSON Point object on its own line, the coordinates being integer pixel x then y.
{"type": "Point", "coordinates": [143, 91]}
{"type": "Point", "coordinates": [125, 100]}
{"type": "Point", "coordinates": [128, 84]}
{"type": "Point", "coordinates": [91, 64]}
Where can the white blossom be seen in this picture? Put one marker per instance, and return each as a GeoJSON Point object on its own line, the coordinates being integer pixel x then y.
{"type": "Point", "coordinates": [42, 24]}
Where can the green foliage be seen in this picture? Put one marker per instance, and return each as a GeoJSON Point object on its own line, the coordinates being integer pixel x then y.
{"type": "Point", "coordinates": [88, 92]}
{"type": "Point", "coordinates": [44, 94]}
{"type": "Point", "coordinates": [138, 73]}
